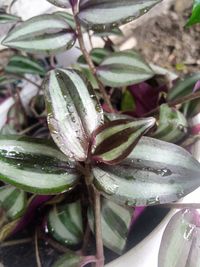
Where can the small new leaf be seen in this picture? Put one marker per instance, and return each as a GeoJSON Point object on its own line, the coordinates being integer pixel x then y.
{"type": "Point", "coordinates": [113, 141]}
{"type": "Point", "coordinates": [46, 34]}
{"type": "Point", "coordinates": [8, 18]}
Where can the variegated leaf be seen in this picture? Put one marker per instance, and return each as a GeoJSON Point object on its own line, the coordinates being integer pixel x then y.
{"type": "Point", "coordinates": [23, 65]}
{"type": "Point", "coordinates": [178, 244]}
{"type": "Point", "coordinates": [172, 125]}
{"type": "Point", "coordinates": [13, 201]}
{"type": "Point", "coordinates": [7, 79]}
{"type": "Point", "coordinates": [115, 221]}
{"type": "Point", "coordinates": [73, 111]}
{"type": "Point", "coordinates": [65, 223]}
{"type": "Point", "coordinates": [46, 34]}
{"type": "Point", "coordinates": [194, 255]}
{"type": "Point", "coordinates": [115, 140]}
{"type": "Point", "coordinates": [155, 172]}
{"type": "Point", "coordinates": [123, 69]}
{"type": "Point", "coordinates": [97, 55]}
{"type": "Point", "coordinates": [8, 18]}
{"type": "Point", "coordinates": [70, 259]}
{"type": "Point", "coordinates": [111, 32]}
{"type": "Point", "coordinates": [68, 17]}
{"type": "Point", "coordinates": [60, 3]}
{"type": "Point", "coordinates": [35, 165]}
{"type": "Point", "coordinates": [107, 14]}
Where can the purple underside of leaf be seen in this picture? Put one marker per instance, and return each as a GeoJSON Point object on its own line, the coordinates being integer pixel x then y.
{"type": "Point", "coordinates": [31, 212]}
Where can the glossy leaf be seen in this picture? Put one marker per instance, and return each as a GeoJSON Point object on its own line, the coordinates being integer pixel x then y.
{"type": "Point", "coordinates": [97, 55]}
{"type": "Point", "coordinates": [177, 240]}
{"type": "Point", "coordinates": [24, 65]}
{"type": "Point", "coordinates": [12, 201]}
{"type": "Point", "coordinates": [107, 14]}
{"type": "Point", "coordinates": [123, 69]}
{"type": "Point", "coordinates": [35, 165]}
{"type": "Point", "coordinates": [73, 111]}
{"type": "Point", "coordinates": [45, 34]}
{"type": "Point", "coordinates": [155, 172]}
{"type": "Point", "coordinates": [195, 17]}
{"type": "Point", "coordinates": [115, 140]}
{"type": "Point", "coordinates": [8, 18]}
{"type": "Point", "coordinates": [60, 3]}
{"type": "Point", "coordinates": [70, 259]}
{"type": "Point", "coordinates": [115, 221]}
{"type": "Point", "coordinates": [65, 223]}
{"type": "Point", "coordinates": [172, 125]}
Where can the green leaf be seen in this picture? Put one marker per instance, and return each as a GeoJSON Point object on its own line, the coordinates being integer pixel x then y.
{"type": "Point", "coordinates": [8, 18]}
{"type": "Point", "coordinates": [178, 244]}
{"type": "Point", "coordinates": [45, 34]}
{"type": "Point", "coordinates": [35, 165]}
{"type": "Point", "coordinates": [73, 111]}
{"type": "Point", "coordinates": [155, 172]}
{"type": "Point", "coordinates": [115, 221]}
{"type": "Point", "coordinates": [97, 55]}
{"type": "Point", "coordinates": [107, 14]}
{"type": "Point", "coordinates": [68, 17]}
{"type": "Point", "coordinates": [7, 79]}
{"type": "Point", "coordinates": [60, 3]}
{"type": "Point", "coordinates": [123, 69]}
{"type": "Point", "coordinates": [70, 259]}
{"type": "Point", "coordinates": [183, 87]}
{"type": "Point", "coordinates": [13, 201]}
{"type": "Point", "coordinates": [195, 17]}
{"type": "Point", "coordinates": [114, 141]}
{"type": "Point", "coordinates": [172, 125]}
{"type": "Point", "coordinates": [127, 103]}
{"type": "Point", "coordinates": [111, 32]}
{"type": "Point", "coordinates": [23, 65]}
{"type": "Point", "coordinates": [65, 223]}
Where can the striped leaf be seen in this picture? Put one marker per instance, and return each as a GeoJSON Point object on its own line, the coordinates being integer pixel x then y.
{"type": "Point", "coordinates": [155, 172]}
{"type": "Point", "coordinates": [60, 3]}
{"type": "Point", "coordinates": [70, 259]}
{"type": "Point", "coordinates": [12, 201]}
{"type": "Point", "coordinates": [111, 32]}
{"type": "Point", "coordinates": [107, 14]}
{"type": "Point", "coordinates": [179, 241]}
{"type": "Point", "coordinates": [23, 65]}
{"type": "Point", "coordinates": [97, 55]}
{"type": "Point", "coordinates": [115, 140]}
{"type": "Point", "coordinates": [45, 34]}
{"type": "Point", "coordinates": [123, 69]}
{"type": "Point", "coordinates": [6, 79]}
{"type": "Point", "coordinates": [172, 125]}
{"type": "Point", "coordinates": [73, 111]}
{"type": "Point", "coordinates": [68, 17]}
{"type": "Point", "coordinates": [35, 165]}
{"type": "Point", "coordinates": [64, 223]}
{"type": "Point", "coordinates": [115, 221]}
{"type": "Point", "coordinates": [8, 18]}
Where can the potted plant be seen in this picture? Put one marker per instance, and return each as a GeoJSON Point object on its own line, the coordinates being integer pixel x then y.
{"type": "Point", "coordinates": [97, 167]}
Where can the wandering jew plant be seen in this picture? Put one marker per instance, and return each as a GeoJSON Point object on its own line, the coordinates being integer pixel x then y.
{"type": "Point", "coordinates": [92, 166]}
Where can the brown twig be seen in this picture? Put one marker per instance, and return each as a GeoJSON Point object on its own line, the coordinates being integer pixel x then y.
{"type": "Point", "coordinates": [37, 255]}
{"type": "Point", "coordinates": [89, 60]}
{"type": "Point", "coordinates": [16, 242]}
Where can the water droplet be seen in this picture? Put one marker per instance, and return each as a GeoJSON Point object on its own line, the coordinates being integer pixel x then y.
{"type": "Point", "coordinates": [189, 232]}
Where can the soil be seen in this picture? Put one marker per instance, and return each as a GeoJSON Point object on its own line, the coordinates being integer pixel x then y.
{"type": "Point", "coordinates": [164, 40]}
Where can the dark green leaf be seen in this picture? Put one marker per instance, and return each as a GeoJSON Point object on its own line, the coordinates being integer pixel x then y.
{"type": "Point", "coordinates": [115, 221]}
{"type": "Point", "coordinates": [46, 34]}
{"type": "Point", "coordinates": [97, 55]}
{"type": "Point", "coordinates": [172, 125]}
{"type": "Point", "coordinates": [65, 223]}
{"type": "Point", "coordinates": [73, 111]}
{"type": "Point", "coordinates": [107, 14]}
{"type": "Point", "coordinates": [112, 32]}
{"type": "Point", "coordinates": [35, 165]}
{"type": "Point", "coordinates": [123, 69]}
{"type": "Point", "coordinates": [156, 172]}
{"type": "Point", "coordinates": [127, 103]}
{"type": "Point", "coordinates": [23, 65]}
{"type": "Point", "coordinates": [70, 259]}
{"type": "Point", "coordinates": [115, 140]}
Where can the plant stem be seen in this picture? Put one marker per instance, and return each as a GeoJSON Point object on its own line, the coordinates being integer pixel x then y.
{"type": "Point", "coordinates": [89, 60]}
{"type": "Point", "coordinates": [16, 242]}
{"type": "Point", "coordinates": [176, 102]}
{"type": "Point", "coordinates": [98, 229]}
{"type": "Point", "coordinates": [37, 255]}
